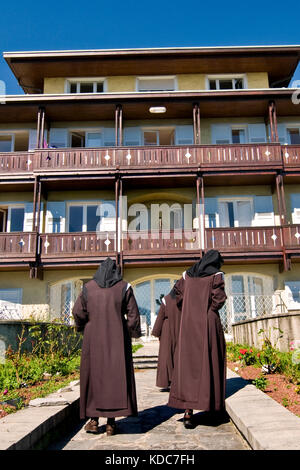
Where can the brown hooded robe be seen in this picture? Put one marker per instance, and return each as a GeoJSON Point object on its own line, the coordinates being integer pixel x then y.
{"type": "Point", "coordinates": [107, 383]}
{"type": "Point", "coordinates": [199, 376]}
{"type": "Point", "coordinates": [166, 328]}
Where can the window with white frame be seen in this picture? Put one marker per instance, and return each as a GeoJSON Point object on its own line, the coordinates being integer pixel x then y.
{"type": "Point", "coordinates": [234, 212]}
{"type": "Point", "coordinates": [12, 218]}
{"type": "Point", "coordinates": [161, 136]}
{"type": "Point", "coordinates": [162, 83]}
{"type": "Point", "coordinates": [86, 85]}
{"type": "Point", "coordinates": [91, 216]}
{"type": "Point", "coordinates": [225, 82]}
{"type": "Point", "coordinates": [149, 294]}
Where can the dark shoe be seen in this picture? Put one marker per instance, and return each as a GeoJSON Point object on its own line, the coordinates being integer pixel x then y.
{"type": "Point", "coordinates": [110, 429]}
{"type": "Point", "coordinates": [188, 421]}
{"type": "Point", "coordinates": [92, 426]}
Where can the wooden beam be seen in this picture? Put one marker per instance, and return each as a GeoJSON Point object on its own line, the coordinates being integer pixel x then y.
{"type": "Point", "coordinates": [37, 228]}
{"type": "Point", "coordinates": [117, 217]}
{"type": "Point", "coordinates": [116, 124]}
{"type": "Point", "coordinates": [198, 125]}
{"type": "Point", "coordinates": [34, 202]}
{"type": "Point", "coordinates": [195, 123]}
{"type": "Point", "coordinates": [38, 129]}
{"type": "Point", "coordinates": [120, 125]}
{"type": "Point", "coordinates": [42, 131]}
{"type": "Point", "coordinates": [275, 122]}
{"type": "Point", "coordinates": [271, 122]}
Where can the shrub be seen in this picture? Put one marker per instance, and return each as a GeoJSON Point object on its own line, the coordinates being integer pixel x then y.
{"type": "Point", "coordinates": [260, 382]}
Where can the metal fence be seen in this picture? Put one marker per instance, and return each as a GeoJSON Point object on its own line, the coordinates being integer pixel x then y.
{"type": "Point", "coordinates": [239, 307]}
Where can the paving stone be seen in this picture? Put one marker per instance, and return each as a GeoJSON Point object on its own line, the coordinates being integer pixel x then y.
{"type": "Point", "coordinates": [157, 427]}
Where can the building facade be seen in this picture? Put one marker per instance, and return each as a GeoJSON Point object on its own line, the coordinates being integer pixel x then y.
{"type": "Point", "coordinates": [151, 157]}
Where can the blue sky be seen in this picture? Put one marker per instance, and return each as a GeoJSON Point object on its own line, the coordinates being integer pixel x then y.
{"type": "Point", "coordinates": [65, 24]}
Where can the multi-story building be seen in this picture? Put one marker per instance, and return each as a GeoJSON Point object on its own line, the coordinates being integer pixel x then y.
{"type": "Point", "coordinates": [150, 156]}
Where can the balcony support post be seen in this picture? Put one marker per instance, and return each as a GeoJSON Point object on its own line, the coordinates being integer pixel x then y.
{"type": "Point", "coordinates": [286, 264]}
{"type": "Point", "coordinates": [121, 223]}
{"type": "Point", "coordinates": [34, 202]}
{"type": "Point", "coordinates": [42, 132]}
{"type": "Point", "coordinates": [200, 187]}
{"type": "Point", "coordinates": [117, 218]}
{"type": "Point", "coordinates": [273, 122]}
{"type": "Point", "coordinates": [196, 124]}
{"type": "Point", "coordinates": [116, 125]}
{"type": "Point", "coordinates": [120, 125]}
{"type": "Point", "coordinates": [38, 128]}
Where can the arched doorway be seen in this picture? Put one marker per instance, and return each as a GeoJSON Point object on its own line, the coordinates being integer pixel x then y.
{"type": "Point", "coordinates": [149, 293]}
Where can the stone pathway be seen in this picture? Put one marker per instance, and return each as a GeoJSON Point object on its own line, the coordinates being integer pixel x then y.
{"type": "Point", "coordinates": [157, 426]}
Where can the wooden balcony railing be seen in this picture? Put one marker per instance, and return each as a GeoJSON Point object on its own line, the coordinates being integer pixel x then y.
{"type": "Point", "coordinates": [162, 241]}
{"type": "Point", "coordinates": [18, 245]}
{"type": "Point", "coordinates": [79, 244]}
{"type": "Point", "coordinates": [244, 239]}
{"type": "Point", "coordinates": [21, 246]}
{"type": "Point", "coordinates": [291, 236]}
{"type": "Point", "coordinates": [215, 156]}
{"type": "Point", "coordinates": [17, 162]}
{"type": "Point", "coordinates": [291, 156]}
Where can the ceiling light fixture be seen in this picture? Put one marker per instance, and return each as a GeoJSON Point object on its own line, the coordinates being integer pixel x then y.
{"type": "Point", "coordinates": [157, 109]}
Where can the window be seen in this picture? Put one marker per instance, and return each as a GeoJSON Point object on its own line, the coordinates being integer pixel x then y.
{"type": "Point", "coordinates": [149, 296]}
{"type": "Point", "coordinates": [16, 219]}
{"type": "Point", "coordinates": [249, 296]}
{"type": "Point", "coordinates": [294, 136]}
{"type": "Point", "coordinates": [11, 303]}
{"type": "Point", "coordinates": [83, 218]}
{"type": "Point", "coordinates": [165, 136]}
{"type": "Point", "coordinates": [145, 84]}
{"type": "Point", "coordinates": [225, 83]}
{"type": "Point", "coordinates": [6, 143]}
{"type": "Point", "coordinates": [85, 86]}
{"type": "Point", "coordinates": [236, 213]}
{"type": "Point", "coordinates": [238, 136]}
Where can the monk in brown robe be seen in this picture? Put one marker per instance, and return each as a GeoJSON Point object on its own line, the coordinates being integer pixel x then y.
{"type": "Point", "coordinates": [166, 328]}
{"type": "Point", "coordinates": [107, 313]}
{"type": "Point", "coordinates": [199, 376]}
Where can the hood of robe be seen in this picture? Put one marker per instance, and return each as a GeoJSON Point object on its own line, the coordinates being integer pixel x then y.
{"type": "Point", "coordinates": [108, 273]}
{"type": "Point", "coordinates": [208, 265]}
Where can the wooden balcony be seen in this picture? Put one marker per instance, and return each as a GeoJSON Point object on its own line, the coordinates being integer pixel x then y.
{"type": "Point", "coordinates": [126, 159]}
{"type": "Point", "coordinates": [76, 246]}
{"type": "Point", "coordinates": [18, 247]}
{"type": "Point", "coordinates": [164, 243]}
{"type": "Point", "coordinates": [244, 239]}
{"type": "Point", "coordinates": [141, 247]}
{"type": "Point", "coordinates": [291, 156]}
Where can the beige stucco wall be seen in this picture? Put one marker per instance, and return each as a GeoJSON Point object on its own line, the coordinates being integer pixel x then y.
{"type": "Point", "coordinates": [247, 332]}
{"type": "Point", "coordinates": [36, 292]}
{"type": "Point", "coordinates": [127, 83]}
{"type": "Point", "coordinates": [258, 80]}
{"type": "Point", "coordinates": [121, 84]}
{"type": "Point", "coordinates": [54, 85]}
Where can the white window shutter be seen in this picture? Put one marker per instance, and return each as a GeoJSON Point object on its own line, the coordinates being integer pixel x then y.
{"type": "Point", "coordinates": [58, 138]}
{"type": "Point", "coordinates": [55, 217]}
{"type": "Point", "coordinates": [28, 217]}
{"type": "Point", "coordinates": [257, 133]}
{"type": "Point", "coordinates": [109, 137]}
{"type": "Point", "coordinates": [132, 136]}
{"type": "Point", "coordinates": [184, 135]}
{"type": "Point", "coordinates": [263, 211]}
{"type": "Point", "coordinates": [220, 134]}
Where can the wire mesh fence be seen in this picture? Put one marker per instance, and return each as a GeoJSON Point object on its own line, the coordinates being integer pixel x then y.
{"type": "Point", "coordinates": [240, 307]}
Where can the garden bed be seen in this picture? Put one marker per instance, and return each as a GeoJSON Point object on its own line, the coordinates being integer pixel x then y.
{"type": "Point", "coordinates": [278, 386]}
{"type": "Point", "coordinates": [275, 373]}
